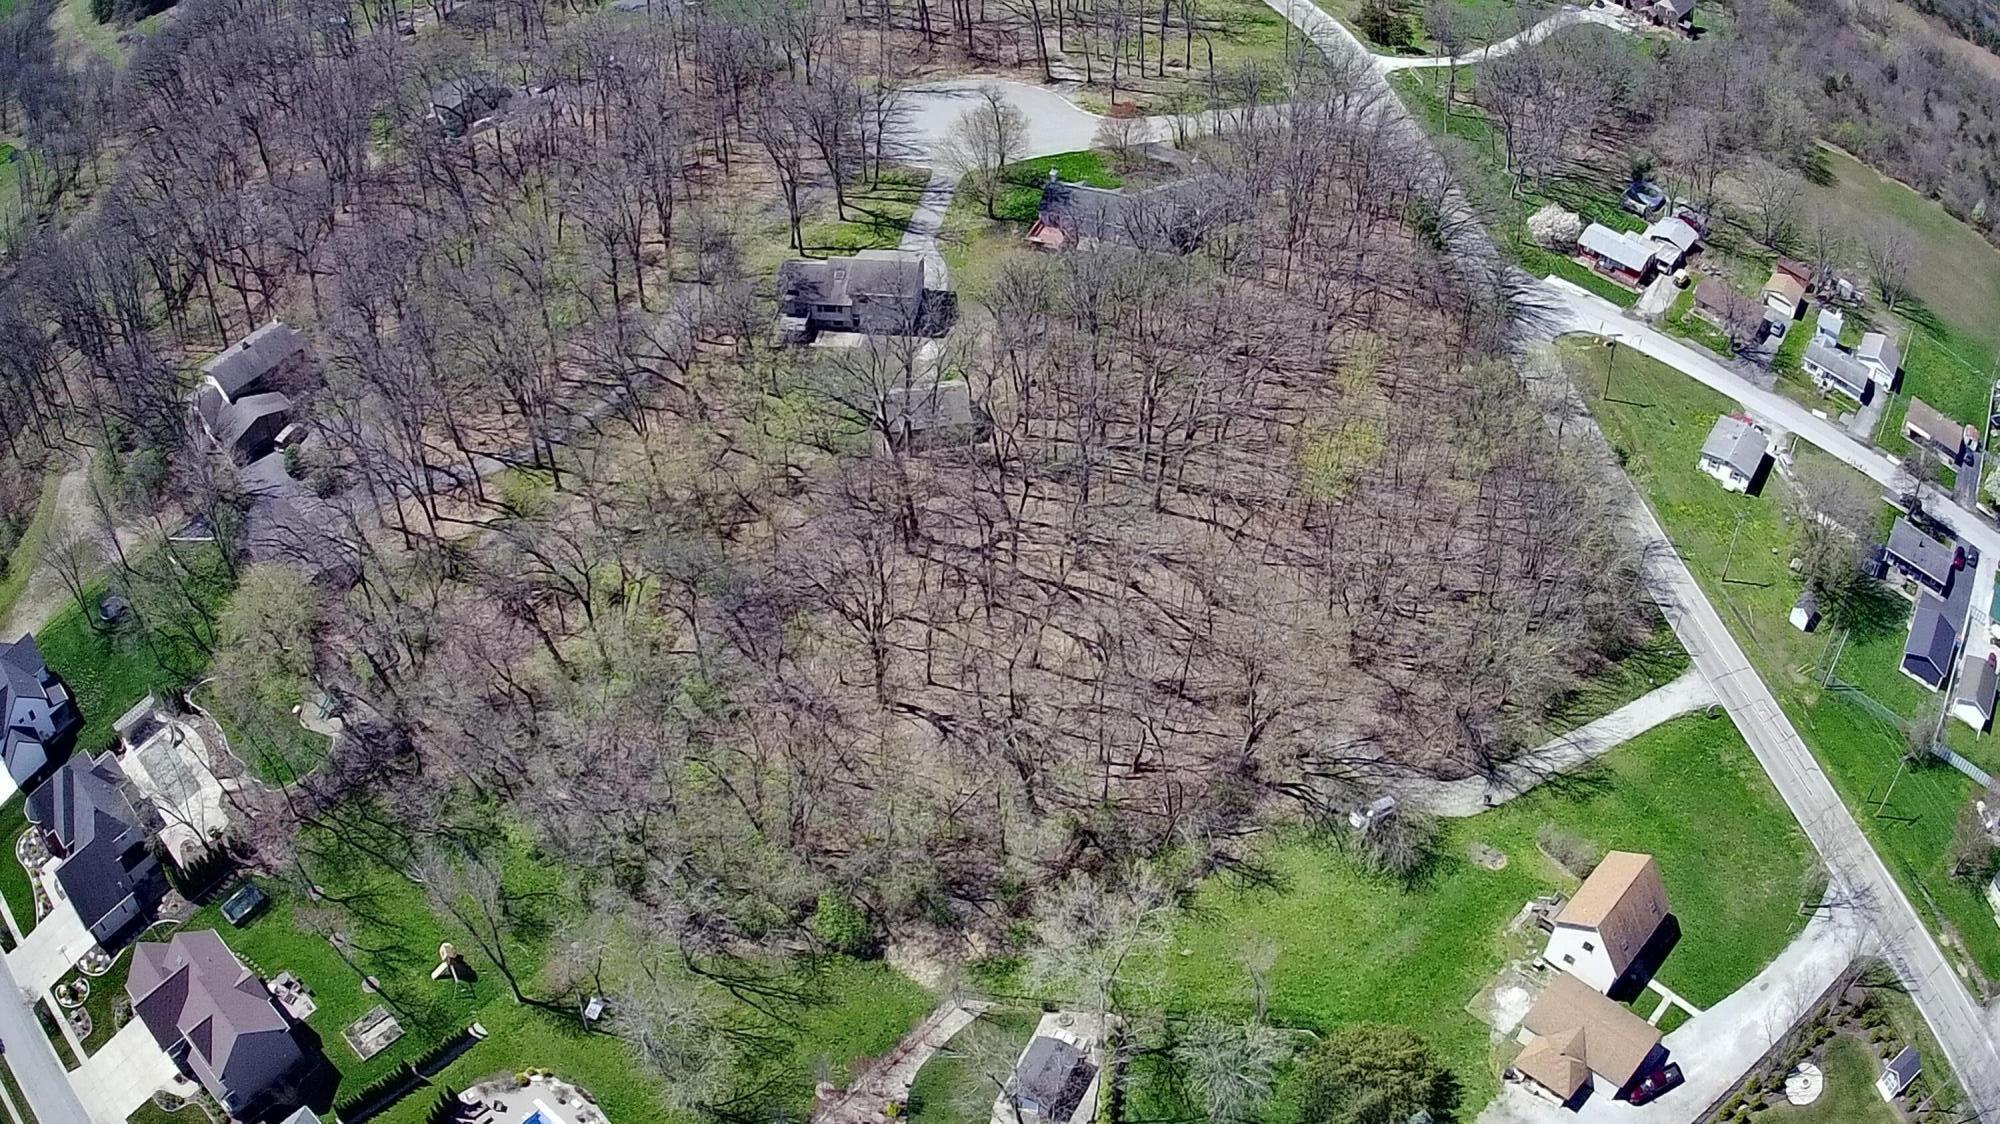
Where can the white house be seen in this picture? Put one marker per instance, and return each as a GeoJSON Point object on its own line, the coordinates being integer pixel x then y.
{"type": "Point", "coordinates": [1879, 354]}
{"type": "Point", "coordinates": [1601, 931]}
{"type": "Point", "coordinates": [1733, 453]}
{"type": "Point", "coordinates": [1978, 684]}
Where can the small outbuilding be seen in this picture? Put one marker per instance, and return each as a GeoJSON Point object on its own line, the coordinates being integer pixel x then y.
{"type": "Point", "coordinates": [1898, 1073]}
{"type": "Point", "coordinates": [1805, 612]}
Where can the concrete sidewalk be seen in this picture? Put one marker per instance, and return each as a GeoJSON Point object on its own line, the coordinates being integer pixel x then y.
{"type": "Point", "coordinates": [1473, 795]}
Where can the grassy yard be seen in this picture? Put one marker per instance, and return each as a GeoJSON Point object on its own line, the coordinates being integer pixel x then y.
{"type": "Point", "coordinates": [877, 215]}
{"type": "Point", "coordinates": [107, 994]}
{"type": "Point", "coordinates": [1231, 35]}
{"type": "Point", "coordinates": [1352, 947]}
{"type": "Point", "coordinates": [14, 885]}
{"type": "Point", "coordinates": [1487, 182]}
{"type": "Point", "coordinates": [27, 551]}
{"type": "Point", "coordinates": [1656, 420]}
{"type": "Point", "coordinates": [14, 1094]}
{"type": "Point", "coordinates": [1849, 1098]}
{"type": "Point", "coordinates": [953, 1084]}
{"type": "Point", "coordinates": [1682, 321]}
{"type": "Point", "coordinates": [1484, 21]}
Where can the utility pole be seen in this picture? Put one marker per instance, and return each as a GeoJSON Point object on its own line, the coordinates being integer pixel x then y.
{"type": "Point", "coordinates": [1727, 558]}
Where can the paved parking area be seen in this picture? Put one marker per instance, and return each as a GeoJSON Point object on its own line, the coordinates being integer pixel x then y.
{"type": "Point", "coordinates": [122, 1074]}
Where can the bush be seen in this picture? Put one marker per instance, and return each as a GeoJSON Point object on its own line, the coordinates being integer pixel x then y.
{"type": "Point", "coordinates": [1372, 1072]}
{"type": "Point", "coordinates": [1400, 847]}
{"type": "Point", "coordinates": [1382, 23]}
{"type": "Point", "coordinates": [841, 925]}
{"type": "Point", "coordinates": [1575, 854]}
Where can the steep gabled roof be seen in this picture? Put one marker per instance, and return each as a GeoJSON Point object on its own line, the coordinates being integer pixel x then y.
{"type": "Point", "coordinates": [193, 989]}
{"type": "Point", "coordinates": [254, 356]}
{"type": "Point", "coordinates": [1624, 900]}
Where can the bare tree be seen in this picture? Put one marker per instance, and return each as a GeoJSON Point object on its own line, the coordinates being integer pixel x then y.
{"type": "Point", "coordinates": [983, 141]}
{"type": "Point", "coordinates": [1774, 195]}
{"type": "Point", "coordinates": [1890, 251]}
{"type": "Point", "coordinates": [1092, 937]}
{"type": "Point", "coordinates": [1232, 1067]}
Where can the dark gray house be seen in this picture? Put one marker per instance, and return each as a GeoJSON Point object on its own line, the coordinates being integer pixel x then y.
{"type": "Point", "coordinates": [1933, 641]}
{"type": "Point", "coordinates": [41, 715]}
{"type": "Point", "coordinates": [214, 1017]}
{"type": "Point", "coordinates": [1050, 1081]}
{"type": "Point", "coordinates": [270, 358]}
{"type": "Point", "coordinates": [880, 291]}
{"type": "Point", "coordinates": [922, 417]}
{"type": "Point", "coordinates": [247, 428]}
{"type": "Point", "coordinates": [90, 822]}
{"type": "Point", "coordinates": [1921, 558]}
{"type": "Point", "coordinates": [1172, 217]}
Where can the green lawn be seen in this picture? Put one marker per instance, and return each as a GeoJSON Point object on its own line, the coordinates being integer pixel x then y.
{"type": "Point", "coordinates": [1656, 420]}
{"type": "Point", "coordinates": [877, 216]}
{"type": "Point", "coordinates": [19, 1099]}
{"type": "Point", "coordinates": [14, 884]}
{"type": "Point", "coordinates": [1682, 321]}
{"type": "Point", "coordinates": [1231, 35]}
{"type": "Point", "coordinates": [107, 993]}
{"type": "Point", "coordinates": [953, 1080]}
{"type": "Point", "coordinates": [27, 551]}
{"type": "Point", "coordinates": [1849, 1098]}
{"type": "Point", "coordinates": [1352, 948]}
{"type": "Point", "coordinates": [1484, 21]}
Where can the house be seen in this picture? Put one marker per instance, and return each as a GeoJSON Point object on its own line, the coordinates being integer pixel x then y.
{"type": "Point", "coordinates": [1836, 372]}
{"type": "Point", "coordinates": [1879, 354]}
{"type": "Point", "coordinates": [106, 866]}
{"type": "Point", "coordinates": [1671, 13]}
{"type": "Point", "coordinates": [879, 291]}
{"type": "Point", "coordinates": [1785, 292]}
{"type": "Point", "coordinates": [1922, 559]}
{"type": "Point", "coordinates": [1575, 1035]}
{"type": "Point", "coordinates": [42, 716]}
{"type": "Point", "coordinates": [919, 417]}
{"type": "Point", "coordinates": [1171, 217]}
{"type": "Point", "coordinates": [1926, 428]}
{"type": "Point", "coordinates": [1050, 1081]}
{"type": "Point", "coordinates": [302, 1116]}
{"type": "Point", "coordinates": [1622, 257]}
{"type": "Point", "coordinates": [1897, 1075]}
{"type": "Point", "coordinates": [1733, 453]}
{"type": "Point", "coordinates": [1933, 641]}
{"type": "Point", "coordinates": [213, 1017]}
{"type": "Point", "coordinates": [1805, 612]}
{"type": "Point", "coordinates": [1601, 931]}
{"type": "Point", "coordinates": [1978, 684]}
{"type": "Point", "coordinates": [1673, 240]}
{"type": "Point", "coordinates": [1831, 321]}
{"type": "Point", "coordinates": [270, 358]}
{"type": "Point", "coordinates": [457, 105]}
{"type": "Point", "coordinates": [247, 428]}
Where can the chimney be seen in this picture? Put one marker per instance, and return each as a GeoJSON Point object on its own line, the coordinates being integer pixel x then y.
{"type": "Point", "coordinates": [1055, 176]}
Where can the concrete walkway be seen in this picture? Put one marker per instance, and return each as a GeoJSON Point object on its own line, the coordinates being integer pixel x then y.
{"type": "Point", "coordinates": [890, 1078]}
{"type": "Point", "coordinates": [1579, 747]}
{"type": "Point", "coordinates": [926, 223]}
{"type": "Point", "coordinates": [1717, 1047]}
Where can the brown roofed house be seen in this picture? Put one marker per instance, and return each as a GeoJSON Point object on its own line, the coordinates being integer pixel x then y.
{"type": "Point", "coordinates": [1575, 1033]}
{"type": "Point", "coordinates": [1600, 933]}
{"type": "Point", "coordinates": [1925, 426]}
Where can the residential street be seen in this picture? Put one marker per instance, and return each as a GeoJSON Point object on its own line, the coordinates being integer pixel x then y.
{"type": "Point", "coordinates": [33, 1059]}
{"type": "Point", "coordinates": [1960, 1024]}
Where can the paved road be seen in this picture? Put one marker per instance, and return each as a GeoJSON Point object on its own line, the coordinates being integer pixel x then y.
{"type": "Point", "coordinates": [1960, 1024]}
{"type": "Point", "coordinates": [1535, 34]}
{"type": "Point", "coordinates": [33, 1059]}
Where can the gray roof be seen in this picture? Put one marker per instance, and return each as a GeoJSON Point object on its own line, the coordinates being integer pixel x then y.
{"type": "Point", "coordinates": [1628, 251]}
{"type": "Point", "coordinates": [837, 281]}
{"type": "Point", "coordinates": [233, 424]}
{"type": "Point", "coordinates": [1678, 7]}
{"type": "Point", "coordinates": [25, 678]}
{"type": "Point", "coordinates": [1879, 348]}
{"type": "Point", "coordinates": [1978, 682]}
{"type": "Point", "coordinates": [84, 807]}
{"type": "Point", "coordinates": [1736, 443]}
{"type": "Point", "coordinates": [192, 989]}
{"type": "Point", "coordinates": [1168, 216]}
{"type": "Point", "coordinates": [1905, 1066]}
{"type": "Point", "coordinates": [1809, 601]}
{"type": "Point", "coordinates": [254, 356]}
{"type": "Point", "coordinates": [1051, 1078]}
{"type": "Point", "coordinates": [1831, 321]}
{"type": "Point", "coordinates": [1844, 368]}
{"type": "Point", "coordinates": [1676, 232]}
{"type": "Point", "coordinates": [1922, 553]}
{"type": "Point", "coordinates": [1933, 638]}
{"type": "Point", "coordinates": [918, 408]}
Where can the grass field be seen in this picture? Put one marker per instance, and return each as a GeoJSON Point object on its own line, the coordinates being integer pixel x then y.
{"type": "Point", "coordinates": [1681, 321]}
{"type": "Point", "coordinates": [1484, 21]}
{"type": "Point", "coordinates": [27, 551]}
{"type": "Point", "coordinates": [954, 1085]}
{"type": "Point", "coordinates": [13, 876]}
{"type": "Point", "coordinates": [1656, 420]}
{"type": "Point", "coordinates": [1849, 1098]}
{"type": "Point", "coordinates": [1352, 947]}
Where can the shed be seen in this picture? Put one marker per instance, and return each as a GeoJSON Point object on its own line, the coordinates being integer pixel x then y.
{"type": "Point", "coordinates": [1051, 1079]}
{"type": "Point", "coordinates": [1978, 683]}
{"type": "Point", "coordinates": [1897, 1075]}
{"type": "Point", "coordinates": [1805, 612]}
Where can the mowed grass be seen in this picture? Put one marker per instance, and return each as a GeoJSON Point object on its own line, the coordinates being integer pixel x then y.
{"type": "Point", "coordinates": [14, 885]}
{"type": "Point", "coordinates": [954, 1081]}
{"type": "Point", "coordinates": [1849, 1097]}
{"type": "Point", "coordinates": [1484, 21]}
{"type": "Point", "coordinates": [27, 553]}
{"type": "Point", "coordinates": [1740, 551]}
{"type": "Point", "coordinates": [1353, 948]}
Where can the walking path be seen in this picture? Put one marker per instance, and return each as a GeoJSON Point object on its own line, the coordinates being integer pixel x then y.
{"type": "Point", "coordinates": [890, 1077]}
{"type": "Point", "coordinates": [1473, 795]}
{"type": "Point", "coordinates": [926, 223]}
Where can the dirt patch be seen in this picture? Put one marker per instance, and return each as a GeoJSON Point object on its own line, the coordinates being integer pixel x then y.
{"type": "Point", "coordinates": [1488, 858]}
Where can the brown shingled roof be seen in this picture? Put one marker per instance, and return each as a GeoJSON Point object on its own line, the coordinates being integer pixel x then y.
{"type": "Point", "coordinates": [1624, 900]}
{"type": "Point", "coordinates": [1573, 1023]}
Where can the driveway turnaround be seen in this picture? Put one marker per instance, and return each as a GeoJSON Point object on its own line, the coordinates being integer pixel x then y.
{"type": "Point", "coordinates": [123, 1073]}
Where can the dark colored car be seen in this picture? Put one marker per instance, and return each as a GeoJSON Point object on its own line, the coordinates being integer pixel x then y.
{"type": "Point", "coordinates": [1657, 1082]}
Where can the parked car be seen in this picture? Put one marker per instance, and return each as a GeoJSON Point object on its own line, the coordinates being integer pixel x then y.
{"type": "Point", "coordinates": [1659, 1081]}
{"type": "Point", "coordinates": [1644, 199]}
